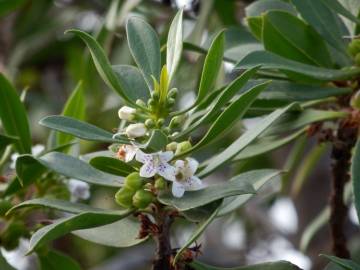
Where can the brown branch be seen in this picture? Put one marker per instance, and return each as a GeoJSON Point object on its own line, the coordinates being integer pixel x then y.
{"type": "Point", "coordinates": [341, 154]}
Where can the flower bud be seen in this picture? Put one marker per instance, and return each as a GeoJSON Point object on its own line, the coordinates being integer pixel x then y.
{"type": "Point", "coordinates": [171, 146]}
{"type": "Point", "coordinates": [160, 183]}
{"type": "Point", "coordinates": [176, 121]}
{"type": "Point", "coordinates": [166, 130]}
{"type": "Point", "coordinates": [170, 102]}
{"type": "Point", "coordinates": [136, 130]}
{"type": "Point", "coordinates": [127, 113]}
{"type": "Point", "coordinates": [134, 181]}
{"type": "Point", "coordinates": [354, 47]}
{"type": "Point", "coordinates": [124, 197]}
{"type": "Point", "coordinates": [183, 147]}
{"type": "Point", "coordinates": [160, 122]}
{"type": "Point", "coordinates": [142, 199]}
{"type": "Point", "coordinates": [155, 95]}
{"type": "Point", "coordinates": [151, 102]}
{"type": "Point", "coordinates": [173, 93]}
{"type": "Point", "coordinates": [149, 123]}
{"type": "Point", "coordinates": [355, 100]}
{"type": "Point", "coordinates": [140, 103]}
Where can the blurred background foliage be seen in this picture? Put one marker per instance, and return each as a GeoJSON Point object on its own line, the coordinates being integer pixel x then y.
{"type": "Point", "coordinates": [40, 59]}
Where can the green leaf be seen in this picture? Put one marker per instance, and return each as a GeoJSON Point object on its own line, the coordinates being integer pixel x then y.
{"type": "Point", "coordinates": [174, 44]}
{"type": "Point", "coordinates": [255, 25]}
{"type": "Point", "coordinates": [61, 205]}
{"type": "Point", "coordinates": [54, 260]}
{"type": "Point", "coordinates": [211, 67]}
{"type": "Point", "coordinates": [28, 169]}
{"type": "Point", "coordinates": [279, 265]}
{"type": "Point", "coordinates": [339, 8]}
{"type": "Point", "coordinates": [244, 140]}
{"type": "Point", "coordinates": [102, 64]}
{"type": "Point", "coordinates": [135, 86]}
{"type": "Point", "coordinates": [224, 97]}
{"type": "Point", "coordinates": [66, 225]}
{"type": "Point", "coordinates": [230, 115]}
{"type": "Point", "coordinates": [120, 234]}
{"type": "Point", "coordinates": [75, 168]}
{"type": "Point", "coordinates": [344, 263]}
{"type": "Point", "coordinates": [193, 199]}
{"type": "Point", "coordinates": [269, 60]}
{"type": "Point", "coordinates": [4, 265]}
{"type": "Point", "coordinates": [257, 8]}
{"type": "Point", "coordinates": [75, 108]}
{"type": "Point", "coordinates": [265, 145]}
{"type": "Point", "coordinates": [290, 91]}
{"type": "Point", "coordinates": [111, 165]}
{"type": "Point", "coordinates": [257, 179]}
{"type": "Point", "coordinates": [80, 129]}
{"type": "Point", "coordinates": [13, 116]}
{"type": "Point", "coordinates": [6, 140]}
{"type": "Point", "coordinates": [145, 48]}
{"type": "Point", "coordinates": [196, 234]}
{"type": "Point", "coordinates": [355, 176]}
{"type": "Point", "coordinates": [157, 141]}
{"type": "Point", "coordinates": [325, 21]}
{"type": "Point", "coordinates": [290, 37]}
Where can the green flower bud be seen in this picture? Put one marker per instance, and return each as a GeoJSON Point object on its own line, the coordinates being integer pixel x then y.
{"type": "Point", "coordinates": [355, 100]}
{"type": "Point", "coordinates": [142, 198]}
{"type": "Point", "coordinates": [173, 93]}
{"type": "Point", "coordinates": [5, 206]}
{"type": "Point", "coordinates": [166, 130]}
{"type": "Point", "coordinates": [124, 197]}
{"type": "Point", "coordinates": [170, 102]}
{"type": "Point", "coordinates": [171, 146]}
{"type": "Point", "coordinates": [134, 181]}
{"type": "Point", "coordinates": [183, 147]}
{"type": "Point", "coordinates": [140, 103]}
{"type": "Point", "coordinates": [354, 47]}
{"type": "Point", "coordinates": [160, 183]}
{"type": "Point", "coordinates": [160, 122]}
{"type": "Point", "coordinates": [155, 95]}
{"type": "Point", "coordinates": [176, 121]}
{"type": "Point", "coordinates": [151, 102]}
{"type": "Point", "coordinates": [149, 123]}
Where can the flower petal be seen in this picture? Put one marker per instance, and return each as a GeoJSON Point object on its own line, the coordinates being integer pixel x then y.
{"type": "Point", "coordinates": [193, 183]}
{"type": "Point", "coordinates": [142, 157]}
{"type": "Point", "coordinates": [179, 165]}
{"type": "Point", "coordinates": [147, 170]}
{"type": "Point", "coordinates": [167, 171]}
{"type": "Point", "coordinates": [130, 152]}
{"type": "Point", "coordinates": [166, 156]}
{"type": "Point", "coordinates": [177, 189]}
{"type": "Point", "coordinates": [193, 164]}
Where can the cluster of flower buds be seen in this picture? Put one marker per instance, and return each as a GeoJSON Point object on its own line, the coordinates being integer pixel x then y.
{"type": "Point", "coordinates": [134, 193]}
{"type": "Point", "coordinates": [354, 50]}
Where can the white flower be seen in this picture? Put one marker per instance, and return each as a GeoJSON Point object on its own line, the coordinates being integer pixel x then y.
{"type": "Point", "coordinates": [127, 152]}
{"type": "Point", "coordinates": [156, 163]}
{"type": "Point", "coordinates": [35, 150]}
{"type": "Point", "coordinates": [136, 130]}
{"type": "Point", "coordinates": [184, 177]}
{"type": "Point", "coordinates": [78, 189]}
{"type": "Point", "coordinates": [127, 113]}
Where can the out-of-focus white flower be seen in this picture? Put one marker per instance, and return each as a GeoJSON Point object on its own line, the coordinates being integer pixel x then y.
{"type": "Point", "coordinates": [353, 215]}
{"type": "Point", "coordinates": [35, 150]}
{"type": "Point", "coordinates": [156, 163]}
{"type": "Point", "coordinates": [283, 215]}
{"type": "Point", "coordinates": [234, 235]}
{"type": "Point", "coordinates": [79, 190]}
{"type": "Point", "coordinates": [127, 113]}
{"type": "Point", "coordinates": [17, 258]}
{"type": "Point", "coordinates": [127, 152]}
{"type": "Point", "coordinates": [136, 130]}
{"type": "Point", "coordinates": [185, 178]}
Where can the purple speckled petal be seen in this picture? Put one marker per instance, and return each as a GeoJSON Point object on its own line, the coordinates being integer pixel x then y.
{"type": "Point", "coordinates": [167, 171]}
{"type": "Point", "coordinates": [177, 189]}
{"type": "Point", "coordinates": [147, 170]}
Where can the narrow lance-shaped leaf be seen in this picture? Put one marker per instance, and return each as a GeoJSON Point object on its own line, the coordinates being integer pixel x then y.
{"type": "Point", "coordinates": [13, 116]}
{"type": "Point", "coordinates": [231, 151]}
{"type": "Point", "coordinates": [344, 263]}
{"type": "Point", "coordinates": [75, 168]}
{"type": "Point", "coordinates": [77, 222]}
{"type": "Point", "coordinates": [211, 67]}
{"type": "Point", "coordinates": [336, 6]}
{"type": "Point", "coordinates": [145, 48]}
{"type": "Point", "coordinates": [111, 165]}
{"type": "Point", "coordinates": [269, 60]}
{"type": "Point", "coordinates": [80, 129]}
{"type": "Point", "coordinates": [257, 8]}
{"type": "Point", "coordinates": [6, 140]}
{"type": "Point", "coordinates": [74, 107]}
{"type": "Point", "coordinates": [355, 176]}
{"type": "Point", "coordinates": [54, 260]}
{"type": "Point", "coordinates": [174, 44]}
{"type": "Point", "coordinates": [102, 64]}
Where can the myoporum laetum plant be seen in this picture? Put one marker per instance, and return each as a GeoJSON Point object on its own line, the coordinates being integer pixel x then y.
{"type": "Point", "coordinates": [151, 163]}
